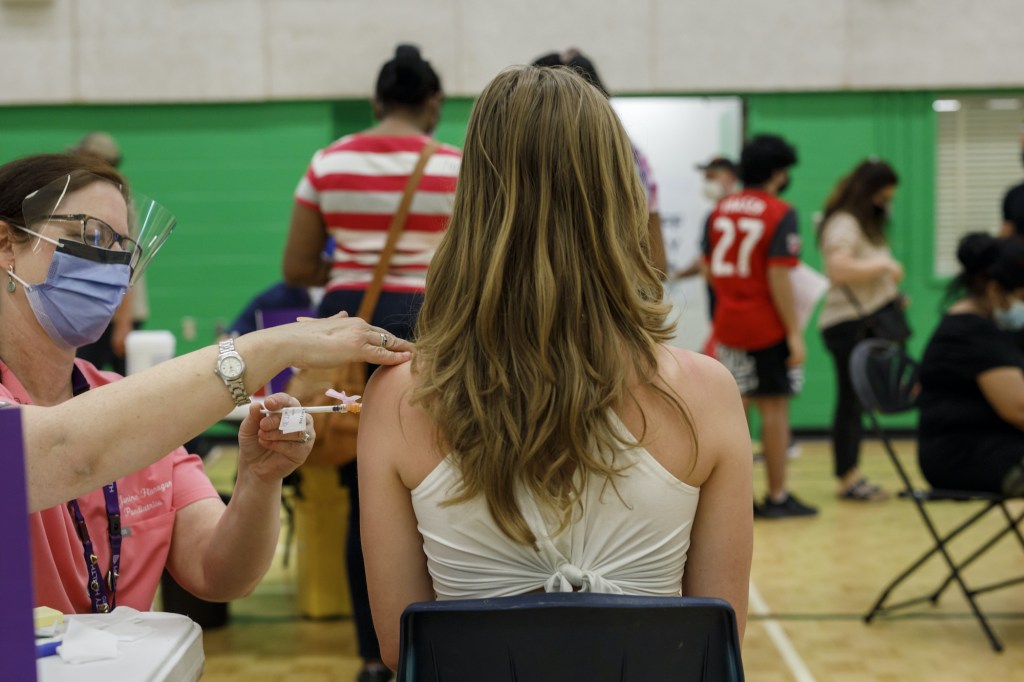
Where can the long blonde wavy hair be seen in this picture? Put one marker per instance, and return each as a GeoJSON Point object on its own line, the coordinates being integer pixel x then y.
{"type": "Point", "coordinates": [541, 302]}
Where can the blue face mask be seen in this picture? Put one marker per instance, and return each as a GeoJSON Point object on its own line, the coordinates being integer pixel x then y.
{"type": "Point", "coordinates": [1011, 319]}
{"type": "Point", "coordinates": [82, 290]}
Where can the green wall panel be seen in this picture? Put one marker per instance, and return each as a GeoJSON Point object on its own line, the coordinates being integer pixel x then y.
{"type": "Point", "coordinates": [454, 121]}
{"type": "Point", "coordinates": [833, 132]}
{"type": "Point", "coordinates": [227, 171]}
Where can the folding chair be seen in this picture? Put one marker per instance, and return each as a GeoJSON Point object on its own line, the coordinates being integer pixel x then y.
{"type": "Point", "coordinates": [885, 379]}
{"type": "Point", "coordinates": [570, 636]}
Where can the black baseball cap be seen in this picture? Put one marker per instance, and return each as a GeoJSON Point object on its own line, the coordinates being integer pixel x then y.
{"type": "Point", "coordinates": [719, 163]}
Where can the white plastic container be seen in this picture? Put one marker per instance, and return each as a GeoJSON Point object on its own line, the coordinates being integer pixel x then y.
{"type": "Point", "coordinates": [143, 349]}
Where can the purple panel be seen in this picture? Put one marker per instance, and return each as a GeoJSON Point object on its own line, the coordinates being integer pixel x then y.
{"type": "Point", "coordinates": [272, 317]}
{"type": "Point", "coordinates": [17, 639]}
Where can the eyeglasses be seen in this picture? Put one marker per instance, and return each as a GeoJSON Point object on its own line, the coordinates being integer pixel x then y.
{"type": "Point", "coordinates": [97, 233]}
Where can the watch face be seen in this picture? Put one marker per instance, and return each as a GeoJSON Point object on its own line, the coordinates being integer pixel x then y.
{"type": "Point", "coordinates": [230, 367]}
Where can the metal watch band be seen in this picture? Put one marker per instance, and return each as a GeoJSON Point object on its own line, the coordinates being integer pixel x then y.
{"type": "Point", "coordinates": [236, 387]}
{"type": "Point", "coordinates": [238, 394]}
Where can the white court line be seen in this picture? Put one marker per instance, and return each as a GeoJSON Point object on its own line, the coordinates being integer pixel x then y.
{"type": "Point", "coordinates": [779, 638]}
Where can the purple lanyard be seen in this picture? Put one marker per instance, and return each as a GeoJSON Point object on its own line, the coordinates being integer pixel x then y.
{"type": "Point", "coordinates": [102, 592]}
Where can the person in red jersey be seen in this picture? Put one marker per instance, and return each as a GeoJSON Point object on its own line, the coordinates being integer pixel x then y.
{"type": "Point", "coordinates": [751, 242]}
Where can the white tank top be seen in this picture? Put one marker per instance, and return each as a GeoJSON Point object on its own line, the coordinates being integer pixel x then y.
{"type": "Point", "coordinates": [633, 545]}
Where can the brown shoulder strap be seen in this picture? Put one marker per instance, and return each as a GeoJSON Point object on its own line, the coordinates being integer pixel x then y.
{"type": "Point", "coordinates": [369, 304]}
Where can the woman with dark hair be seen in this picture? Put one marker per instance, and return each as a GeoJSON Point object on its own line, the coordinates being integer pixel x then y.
{"type": "Point", "coordinates": [971, 432]}
{"type": "Point", "coordinates": [865, 279]}
{"type": "Point", "coordinates": [113, 498]}
{"type": "Point", "coordinates": [581, 64]}
{"type": "Point", "coordinates": [548, 438]}
{"type": "Point", "coordinates": [350, 192]}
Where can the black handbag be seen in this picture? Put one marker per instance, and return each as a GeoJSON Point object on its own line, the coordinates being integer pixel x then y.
{"type": "Point", "coordinates": [888, 322]}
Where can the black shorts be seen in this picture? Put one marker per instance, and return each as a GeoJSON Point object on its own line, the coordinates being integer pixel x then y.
{"type": "Point", "coordinates": [762, 372]}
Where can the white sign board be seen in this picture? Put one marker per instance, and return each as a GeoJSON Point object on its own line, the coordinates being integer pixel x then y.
{"type": "Point", "coordinates": [676, 134]}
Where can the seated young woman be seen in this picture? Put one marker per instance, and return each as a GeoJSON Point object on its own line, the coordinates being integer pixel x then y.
{"type": "Point", "coordinates": [971, 433]}
{"type": "Point", "coordinates": [544, 436]}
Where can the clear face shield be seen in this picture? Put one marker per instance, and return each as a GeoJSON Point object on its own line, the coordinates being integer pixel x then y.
{"type": "Point", "coordinates": [91, 210]}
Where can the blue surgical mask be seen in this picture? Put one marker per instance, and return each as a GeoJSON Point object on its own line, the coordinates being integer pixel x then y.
{"type": "Point", "coordinates": [1012, 318]}
{"type": "Point", "coordinates": [82, 290]}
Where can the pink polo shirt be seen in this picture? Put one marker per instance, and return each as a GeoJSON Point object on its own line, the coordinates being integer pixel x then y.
{"type": "Point", "coordinates": [149, 500]}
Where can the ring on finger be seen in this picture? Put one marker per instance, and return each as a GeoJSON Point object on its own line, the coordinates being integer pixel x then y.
{"type": "Point", "coordinates": [384, 340]}
{"type": "Point", "coordinates": [306, 436]}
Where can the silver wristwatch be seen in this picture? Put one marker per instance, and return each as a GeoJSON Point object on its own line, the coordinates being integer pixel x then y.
{"type": "Point", "coordinates": [231, 368]}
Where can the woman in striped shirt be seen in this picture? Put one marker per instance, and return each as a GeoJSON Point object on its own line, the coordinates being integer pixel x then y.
{"type": "Point", "coordinates": [349, 194]}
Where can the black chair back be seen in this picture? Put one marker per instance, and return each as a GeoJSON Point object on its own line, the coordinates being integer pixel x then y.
{"type": "Point", "coordinates": [886, 381]}
{"type": "Point", "coordinates": [885, 378]}
{"type": "Point", "coordinates": [570, 636]}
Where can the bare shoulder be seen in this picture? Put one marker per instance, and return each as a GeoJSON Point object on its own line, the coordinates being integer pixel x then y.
{"type": "Point", "coordinates": [696, 377]}
{"type": "Point", "coordinates": [389, 395]}
{"type": "Point", "coordinates": [389, 381]}
{"type": "Point", "coordinates": [398, 432]}
{"type": "Point", "coordinates": [713, 400]}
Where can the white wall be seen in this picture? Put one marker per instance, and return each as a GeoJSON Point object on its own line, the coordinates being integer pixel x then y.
{"type": "Point", "coordinates": [201, 50]}
{"type": "Point", "coordinates": [676, 134]}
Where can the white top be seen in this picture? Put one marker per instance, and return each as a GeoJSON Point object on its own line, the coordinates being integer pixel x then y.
{"type": "Point", "coordinates": [633, 545]}
{"type": "Point", "coordinates": [842, 231]}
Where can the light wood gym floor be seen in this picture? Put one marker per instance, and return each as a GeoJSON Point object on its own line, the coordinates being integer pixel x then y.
{"type": "Point", "coordinates": [812, 581]}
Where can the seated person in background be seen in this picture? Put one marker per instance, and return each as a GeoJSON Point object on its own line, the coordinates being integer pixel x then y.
{"type": "Point", "coordinates": [100, 480]}
{"type": "Point", "coordinates": [546, 438]}
{"type": "Point", "coordinates": [971, 434]}
{"type": "Point", "coordinates": [276, 297]}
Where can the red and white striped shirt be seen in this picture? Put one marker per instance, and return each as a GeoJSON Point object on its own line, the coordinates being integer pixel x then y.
{"type": "Point", "coordinates": [356, 184]}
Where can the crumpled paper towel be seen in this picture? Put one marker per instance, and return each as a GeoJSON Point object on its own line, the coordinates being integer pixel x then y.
{"type": "Point", "coordinates": [94, 637]}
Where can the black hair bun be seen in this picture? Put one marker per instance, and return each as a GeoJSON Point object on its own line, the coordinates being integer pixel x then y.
{"type": "Point", "coordinates": [407, 79]}
{"type": "Point", "coordinates": [977, 252]}
{"type": "Point", "coordinates": [407, 54]}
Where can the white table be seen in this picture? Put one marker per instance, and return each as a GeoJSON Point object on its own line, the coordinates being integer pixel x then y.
{"type": "Point", "coordinates": [173, 652]}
